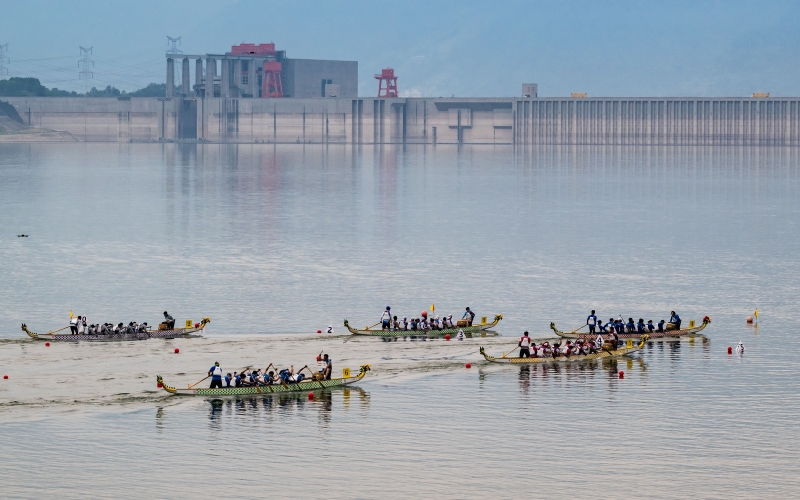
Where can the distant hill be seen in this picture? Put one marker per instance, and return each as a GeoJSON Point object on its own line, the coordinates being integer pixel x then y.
{"type": "Point", "coordinates": [32, 87]}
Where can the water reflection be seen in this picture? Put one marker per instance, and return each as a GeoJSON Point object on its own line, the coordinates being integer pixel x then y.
{"type": "Point", "coordinates": [265, 408]}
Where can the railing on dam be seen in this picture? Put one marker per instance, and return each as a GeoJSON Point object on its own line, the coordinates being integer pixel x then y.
{"type": "Point", "coordinates": [654, 121]}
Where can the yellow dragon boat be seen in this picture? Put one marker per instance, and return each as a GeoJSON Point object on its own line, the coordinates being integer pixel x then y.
{"type": "Point", "coordinates": [683, 332]}
{"type": "Point", "coordinates": [469, 331]}
{"type": "Point", "coordinates": [628, 348]}
{"type": "Point", "coordinates": [266, 390]}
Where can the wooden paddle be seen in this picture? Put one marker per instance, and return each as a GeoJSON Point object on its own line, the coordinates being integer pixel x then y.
{"type": "Point", "coordinates": [509, 352]}
{"type": "Point", "coordinates": [579, 329]}
{"type": "Point", "coordinates": [376, 324]}
{"type": "Point", "coordinates": [54, 331]}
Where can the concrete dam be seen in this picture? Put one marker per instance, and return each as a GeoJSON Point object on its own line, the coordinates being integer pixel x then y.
{"type": "Point", "coordinates": [533, 121]}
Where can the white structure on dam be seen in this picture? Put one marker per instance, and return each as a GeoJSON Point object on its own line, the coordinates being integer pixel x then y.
{"type": "Point", "coordinates": [546, 121]}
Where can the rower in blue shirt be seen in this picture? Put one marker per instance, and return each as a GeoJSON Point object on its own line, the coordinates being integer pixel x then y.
{"type": "Point", "coordinates": [591, 320]}
{"type": "Point", "coordinates": [215, 372]}
{"type": "Point", "coordinates": [660, 326]}
{"type": "Point", "coordinates": [674, 319]}
{"type": "Point", "coordinates": [640, 326]}
{"type": "Point", "coordinates": [630, 326]}
{"type": "Point", "coordinates": [469, 315]}
{"type": "Point", "coordinates": [600, 327]}
{"type": "Point", "coordinates": [228, 379]}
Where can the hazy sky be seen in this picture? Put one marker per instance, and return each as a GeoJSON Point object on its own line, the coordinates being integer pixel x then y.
{"type": "Point", "coordinates": [440, 48]}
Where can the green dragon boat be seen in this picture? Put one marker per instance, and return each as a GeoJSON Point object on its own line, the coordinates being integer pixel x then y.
{"type": "Point", "coordinates": [266, 390]}
{"type": "Point", "coordinates": [629, 348]}
{"type": "Point", "coordinates": [469, 331]}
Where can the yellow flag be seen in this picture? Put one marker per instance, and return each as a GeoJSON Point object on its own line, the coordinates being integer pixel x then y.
{"type": "Point", "coordinates": [70, 314]}
{"type": "Point", "coordinates": [756, 313]}
{"type": "Point", "coordinates": [432, 308]}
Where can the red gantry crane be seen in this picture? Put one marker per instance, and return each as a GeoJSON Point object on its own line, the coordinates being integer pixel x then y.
{"type": "Point", "coordinates": [387, 77]}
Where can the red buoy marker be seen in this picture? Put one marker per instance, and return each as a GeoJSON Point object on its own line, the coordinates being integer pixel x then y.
{"type": "Point", "coordinates": [730, 350]}
{"type": "Point", "coordinates": [447, 337]}
{"type": "Point", "coordinates": [47, 344]}
{"type": "Point", "coordinates": [468, 365]}
{"type": "Point", "coordinates": [311, 396]}
{"type": "Point", "coordinates": [177, 350]}
{"type": "Point", "coordinates": [159, 386]}
{"type": "Point", "coordinates": [5, 377]}
{"type": "Point", "coordinates": [621, 374]}
{"type": "Point", "coordinates": [319, 331]}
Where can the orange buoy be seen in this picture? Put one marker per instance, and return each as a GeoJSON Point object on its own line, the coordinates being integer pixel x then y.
{"type": "Point", "coordinates": [47, 344]}
{"type": "Point", "coordinates": [468, 365]}
{"type": "Point", "coordinates": [730, 350]}
{"type": "Point", "coordinates": [311, 396]}
{"type": "Point", "coordinates": [177, 350]}
{"type": "Point", "coordinates": [749, 319]}
{"type": "Point", "coordinates": [447, 337]}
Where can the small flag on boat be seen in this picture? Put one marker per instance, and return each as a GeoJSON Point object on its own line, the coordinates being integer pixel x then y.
{"type": "Point", "coordinates": [433, 309]}
{"type": "Point", "coordinates": [70, 314]}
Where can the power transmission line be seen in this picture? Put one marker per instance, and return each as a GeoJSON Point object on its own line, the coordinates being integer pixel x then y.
{"type": "Point", "coordinates": [86, 74]}
{"type": "Point", "coordinates": [3, 59]}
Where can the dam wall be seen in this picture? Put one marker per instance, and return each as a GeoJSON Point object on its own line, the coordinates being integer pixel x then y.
{"type": "Point", "coordinates": [539, 121]}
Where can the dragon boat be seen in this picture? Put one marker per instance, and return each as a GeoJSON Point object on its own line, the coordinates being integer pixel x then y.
{"type": "Point", "coordinates": [469, 331]}
{"type": "Point", "coordinates": [266, 390]}
{"type": "Point", "coordinates": [603, 353]}
{"type": "Point", "coordinates": [666, 334]}
{"type": "Point", "coordinates": [149, 334]}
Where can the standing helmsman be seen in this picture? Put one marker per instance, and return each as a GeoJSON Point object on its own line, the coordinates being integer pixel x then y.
{"type": "Point", "coordinates": [215, 372]}
{"type": "Point", "coordinates": [591, 321]}
{"type": "Point", "coordinates": [524, 346]}
{"type": "Point", "coordinates": [386, 319]}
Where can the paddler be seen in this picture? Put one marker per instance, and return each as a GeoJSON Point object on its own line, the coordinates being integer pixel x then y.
{"type": "Point", "coordinates": [386, 318]}
{"type": "Point", "coordinates": [591, 320]}
{"type": "Point", "coordinates": [675, 320]}
{"type": "Point", "coordinates": [469, 316]}
{"type": "Point", "coordinates": [524, 346]}
{"type": "Point", "coordinates": [215, 372]}
{"type": "Point", "coordinates": [73, 324]}
{"type": "Point", "coordinates": [327, 367]}
{"type": "Point", "coordinates": [169, 321]}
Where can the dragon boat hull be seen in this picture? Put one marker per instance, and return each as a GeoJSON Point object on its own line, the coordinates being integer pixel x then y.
{"type": "Point", "coordinates": [149, 334]}
{"type": "Point", "coordinates": [266, 390]}
{"type": "Point", "coordinates": [668, 334]}
{"type": "Point", "coordinates": [469, 331]}
{"type": "Point", "coordinates": [601, 354]}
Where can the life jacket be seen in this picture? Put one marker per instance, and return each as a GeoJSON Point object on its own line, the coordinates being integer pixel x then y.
{"type": "Point", "coordinates": [525, 342]}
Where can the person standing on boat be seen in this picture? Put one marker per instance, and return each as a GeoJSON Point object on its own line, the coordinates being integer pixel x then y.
{"type": "Point", "coordinates": [386, 318]}
{"type": "Point", "coordinates": [524, 346]}
{"type": "Point", "coordinates": [675, 320]}
{"type": "Point", "coordinates": [73, 324]}
{"type": "Point", "coordinates": [215, 372]}
{"type": "Point", "coordinates": [469, 316]}
{"type": "Point", "coordinates": [591, 320]}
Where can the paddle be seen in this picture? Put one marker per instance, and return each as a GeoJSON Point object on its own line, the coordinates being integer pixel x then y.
{"type": "Point", "coordinates": [376, 324]}
{"type": "Point", "coordinates": [54, 331]}
{"type": "Point", "coordinates": [579, 329]}
{"type": "Point", "coordinates": [509, 352]}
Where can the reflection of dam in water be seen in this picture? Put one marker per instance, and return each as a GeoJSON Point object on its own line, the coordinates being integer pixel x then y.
{"type": "Point", "coordinates": [548, 121]}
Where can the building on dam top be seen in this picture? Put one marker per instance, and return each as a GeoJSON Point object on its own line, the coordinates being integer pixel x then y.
{"type": "Point", "coordinates": [261, 71]}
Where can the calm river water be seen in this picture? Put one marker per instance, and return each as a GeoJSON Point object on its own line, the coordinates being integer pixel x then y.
{"type": "Point", "coordinates": [276, 242]}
